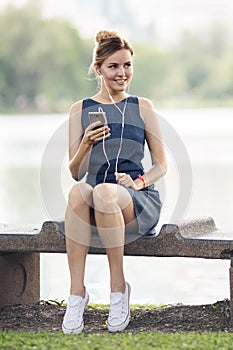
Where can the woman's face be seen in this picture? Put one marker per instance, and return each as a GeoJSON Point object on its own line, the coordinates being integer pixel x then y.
{"type": "Point", "coordinates": [117, 70]}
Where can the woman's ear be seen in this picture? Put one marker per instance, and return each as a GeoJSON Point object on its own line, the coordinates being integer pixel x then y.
{"type": "Point", "coordinates": [97, 69]}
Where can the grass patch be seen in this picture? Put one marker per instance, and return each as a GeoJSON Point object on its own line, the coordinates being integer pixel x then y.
{"type": "Point", "coordinates": [132, 306]}
{"type": "Point", "coordinates": [145, 340]}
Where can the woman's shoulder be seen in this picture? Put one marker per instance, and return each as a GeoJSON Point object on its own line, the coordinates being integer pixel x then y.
{"type": "Point", "coordinates": [76, 107]}
{"type": "Point", "coordinates": [145, 102]}
{"type": "Point", "coordinates": [147, 109]}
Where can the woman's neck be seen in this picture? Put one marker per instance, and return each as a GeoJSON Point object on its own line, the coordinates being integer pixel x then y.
{"type": "Point", "coordinates": [103, 96]}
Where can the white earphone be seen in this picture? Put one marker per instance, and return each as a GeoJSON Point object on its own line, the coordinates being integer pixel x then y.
{"type": "Point", "coordinates": [122, 130]}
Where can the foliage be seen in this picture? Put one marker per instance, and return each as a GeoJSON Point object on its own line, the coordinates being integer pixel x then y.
{"type": "Point", "coordinates": [124, 341]}
{"type": "Point", "coordinates": [41, 61]}
{"type": "Point", "coordinates": [44, 65]}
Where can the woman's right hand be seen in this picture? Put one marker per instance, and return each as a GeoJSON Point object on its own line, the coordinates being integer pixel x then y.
{"type": "Point", "coordinates": [96, 132]}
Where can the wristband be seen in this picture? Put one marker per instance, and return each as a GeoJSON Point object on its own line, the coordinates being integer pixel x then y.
{"type": "Point", "coordinates": [140, 177]}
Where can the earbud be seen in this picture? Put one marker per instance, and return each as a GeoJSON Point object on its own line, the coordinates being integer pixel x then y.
{"type": "Point", "coordinates": [99, 72]}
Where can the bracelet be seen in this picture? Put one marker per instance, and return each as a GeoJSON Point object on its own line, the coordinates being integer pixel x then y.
{"type": "Point", "coordinates": [140, 177]}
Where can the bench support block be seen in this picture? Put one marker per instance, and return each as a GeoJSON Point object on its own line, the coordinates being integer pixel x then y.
{"type": "Point", "coordinates": [231, 292]}
{"type": "Point", "coordinates": [20, 278]}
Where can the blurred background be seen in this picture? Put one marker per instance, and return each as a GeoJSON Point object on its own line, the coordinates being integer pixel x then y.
{"type": "Point", "coordinates": [183, 63]}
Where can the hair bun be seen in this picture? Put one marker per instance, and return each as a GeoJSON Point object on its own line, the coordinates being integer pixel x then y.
{"type": "Point", "coordinates": [105, 34]}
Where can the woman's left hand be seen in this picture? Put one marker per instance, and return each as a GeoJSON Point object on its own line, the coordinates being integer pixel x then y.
{"type": "Point", "coordinates": [125, 180]}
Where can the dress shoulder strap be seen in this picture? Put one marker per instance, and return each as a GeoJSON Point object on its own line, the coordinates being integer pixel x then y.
{"type": "Point", "coordinates": [88, 102]}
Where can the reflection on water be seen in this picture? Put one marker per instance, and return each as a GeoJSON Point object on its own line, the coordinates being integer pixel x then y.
{"type": "Point", "coordinates": [153, 280]}
{"type": "Point", "coordinates": [165, 280]}
{"type": "Point", "coordinates": [21, 196]}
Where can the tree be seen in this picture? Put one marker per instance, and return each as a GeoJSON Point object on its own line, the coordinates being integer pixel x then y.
{"type": "Point", "coordinates": [41, 60]}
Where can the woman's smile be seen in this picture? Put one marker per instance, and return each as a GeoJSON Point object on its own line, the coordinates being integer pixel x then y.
{"type": "Point", "coordinates": [121, 81]}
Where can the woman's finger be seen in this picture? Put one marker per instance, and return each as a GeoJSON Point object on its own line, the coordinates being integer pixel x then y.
{"type": "Point", "coordinates": [99, 130]}
{"type": "Point", "coordinates": [121, 175]}
{"type": "Point", "coordinates": [95, 125]}
{"type": "Point", "coordinates": [100, 138]}
{"type": "Point", "coordinates": [97, 134]}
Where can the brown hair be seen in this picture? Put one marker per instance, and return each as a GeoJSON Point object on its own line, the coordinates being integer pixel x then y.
{"type": "Point", "coordinates": [107, 43]}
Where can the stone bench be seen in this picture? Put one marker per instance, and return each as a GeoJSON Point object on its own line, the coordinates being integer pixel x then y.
{"type": "Point", "coordinates": [20, 249]}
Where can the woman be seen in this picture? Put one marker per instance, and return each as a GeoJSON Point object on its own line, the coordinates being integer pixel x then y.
{"type": "Point", "coordinates": [117, 197]}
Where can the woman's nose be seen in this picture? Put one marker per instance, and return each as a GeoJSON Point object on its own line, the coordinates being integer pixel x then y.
{"type": "Point", "coordinates": [121, 71]}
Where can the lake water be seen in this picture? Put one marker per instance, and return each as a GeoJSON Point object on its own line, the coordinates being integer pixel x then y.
{"type": "Point", "coordinates": [201, 137]}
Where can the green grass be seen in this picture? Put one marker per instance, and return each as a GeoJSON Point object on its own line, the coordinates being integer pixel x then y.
{"type": "Point", "coordinates": [132, 306]}
{"type": "Point", "coordinates": [124, 341]}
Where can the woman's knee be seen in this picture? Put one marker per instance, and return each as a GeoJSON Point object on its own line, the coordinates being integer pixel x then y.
{"type": "Point", "coordinates": [80, 195]}
{"type": "Point", "coordinates": [105, 197]}
{"type": "Point", "coordinates": [110, 198]}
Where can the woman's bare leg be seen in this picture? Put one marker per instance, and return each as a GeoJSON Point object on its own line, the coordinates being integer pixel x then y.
{"type": "Point", "coordinates": [113, 209]}
{"type": "Point", "coordinates": [78, 234]}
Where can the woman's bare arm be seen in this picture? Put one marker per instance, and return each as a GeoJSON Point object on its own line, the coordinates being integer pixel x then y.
{"type": "Point", "coordinates": [79, 152]}
{"type": "Point", "coordinates": [155, 143]}
{"type": "Point", "coordinates": [80, 141]}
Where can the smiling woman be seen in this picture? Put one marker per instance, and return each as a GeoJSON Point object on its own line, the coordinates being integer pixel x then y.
{"type": "Point", "coordinates": [112, 61]}
{"type": "Point", "coordinates": [116, 72]}
{"type": "Point", "coordinates": [118, 196]}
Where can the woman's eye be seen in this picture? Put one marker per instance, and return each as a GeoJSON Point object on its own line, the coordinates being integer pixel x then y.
{"type": "Point", "coordinates": [114, 66]}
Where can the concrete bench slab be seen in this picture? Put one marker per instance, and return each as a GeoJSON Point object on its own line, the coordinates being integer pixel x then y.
{"type": "Point", "coordinates": [198, 237]}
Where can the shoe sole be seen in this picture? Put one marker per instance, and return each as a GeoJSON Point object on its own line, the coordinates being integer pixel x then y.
{"type": "Point", "coordinates": [73, 331]}
{"type": "Point", "coordinates": [122, 326]}
{"type": "Point", "coordinates": [77, 330]}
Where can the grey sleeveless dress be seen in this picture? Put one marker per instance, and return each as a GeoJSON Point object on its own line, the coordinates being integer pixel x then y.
{"type": "Point", "coordinates": [147, 204]}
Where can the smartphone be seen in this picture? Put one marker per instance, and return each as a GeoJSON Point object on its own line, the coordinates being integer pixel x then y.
{"type": "Point", "coordinates": [97, 116]}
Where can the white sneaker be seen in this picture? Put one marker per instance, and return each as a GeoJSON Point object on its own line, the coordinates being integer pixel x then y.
{"type": "Point", "coordinates": [73, 319]}
{"type": "Point", "coordinates": [119, 314]}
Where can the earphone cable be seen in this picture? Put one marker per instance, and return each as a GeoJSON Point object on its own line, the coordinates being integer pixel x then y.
{"type": "Point", "coordinates": [122, 131]}
{"type": "Point", "coordinates": [104, 151]}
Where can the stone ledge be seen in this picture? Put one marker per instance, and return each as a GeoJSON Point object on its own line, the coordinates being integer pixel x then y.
{"type": "Point", "coordinates": [196, 237]}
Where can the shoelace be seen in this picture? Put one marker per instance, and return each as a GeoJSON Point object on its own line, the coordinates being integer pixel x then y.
{"type": "Point", "coordinates": [74, 312]}
{"type": "Point", "coordinates": [116, 308]}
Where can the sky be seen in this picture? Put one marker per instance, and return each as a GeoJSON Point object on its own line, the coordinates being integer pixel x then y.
{"type": "Point", "coordinates": [170, 17]}
{"type": "Point", "coordinates": [173, 16]}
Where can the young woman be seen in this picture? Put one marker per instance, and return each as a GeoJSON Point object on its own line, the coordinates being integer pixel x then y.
{"type": "Point", "coordinates": [117, 196]}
